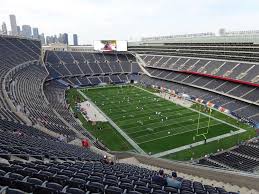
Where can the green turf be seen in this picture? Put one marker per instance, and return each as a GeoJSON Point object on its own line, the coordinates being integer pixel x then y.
{"type": "Point", "coordinates": [211, 147]}
{"type": "Point", "coordinates": [134, 111]}
{"type": "Point", "coordinates": [224, 117]}
{"type": "Point", "coordinates": [102, 130]}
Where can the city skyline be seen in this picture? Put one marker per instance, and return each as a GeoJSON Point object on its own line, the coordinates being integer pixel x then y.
{"type": "Point", "coordinates": [124, 20]}
{"type": "Point", "coordinates": [27, 31]}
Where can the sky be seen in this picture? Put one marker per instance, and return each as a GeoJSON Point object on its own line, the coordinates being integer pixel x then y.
{"type": "Point", "coordinates": [131, 19]}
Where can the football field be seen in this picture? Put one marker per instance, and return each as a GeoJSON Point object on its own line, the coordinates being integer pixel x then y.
{"type": "Point", "coordinates": [153, 123]}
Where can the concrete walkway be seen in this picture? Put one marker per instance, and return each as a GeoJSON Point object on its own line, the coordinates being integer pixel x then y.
{"type": "Point", "coordinates": [161, 154]}
{"type": "Point", "coordinates": [123, 134]}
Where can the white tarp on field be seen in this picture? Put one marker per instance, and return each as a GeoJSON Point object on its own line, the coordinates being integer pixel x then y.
{"type": "Point", "coordinates": [90, 112]}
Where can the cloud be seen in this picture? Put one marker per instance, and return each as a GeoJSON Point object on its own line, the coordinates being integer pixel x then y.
{"type": "Point", "coordinates": [122, 19]}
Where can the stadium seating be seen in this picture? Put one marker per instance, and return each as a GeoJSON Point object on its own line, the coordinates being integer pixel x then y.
{"type": "Point", "coordinates": [22, 75]}
{"type": "Point", "coordinates": [226, 87]}
{"type": "Point", "coordinates": [14, 51]}
{"type": "Point", "coordinates": [221, 68]}
{"type": "Point", "coordinates": [26, 91]}
{"type": "Point", "coordinates": [9, 115]}
{"type": "Point", "coordinates": [35, 144]}
{"type": "Point", "coordinates": [244, 158]}
{"type": "Point", "coordinates": [55, 93]}
{"type": "Point", "coordinates": [204, 74]}
{"type": "Point", "coordinates": [96, 66]}
{"type": "Point", "coordinates": [239, 108]}
{"type": "Point", "coordinates": [70, 175]}
{"type": "Point", "coordinates": [32, 161]}
{"type": "Point", "coordinates": [230, 51]}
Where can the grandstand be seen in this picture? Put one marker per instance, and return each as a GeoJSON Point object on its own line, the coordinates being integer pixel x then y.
{"type": "Point", "coordinates": [145, 94]}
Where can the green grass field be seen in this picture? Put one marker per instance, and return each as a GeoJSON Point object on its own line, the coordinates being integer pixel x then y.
{"type": "Point", "coordinates": [155, 124]}
{"type": "Point", "coordinates": [107, 136]}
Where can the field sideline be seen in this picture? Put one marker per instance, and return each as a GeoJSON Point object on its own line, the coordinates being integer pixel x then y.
{"type": "Point", "coordinates": [155, 124]}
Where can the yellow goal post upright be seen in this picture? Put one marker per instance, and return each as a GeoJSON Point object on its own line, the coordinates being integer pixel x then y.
{"type": "Point", "coordinates": [198, 131]}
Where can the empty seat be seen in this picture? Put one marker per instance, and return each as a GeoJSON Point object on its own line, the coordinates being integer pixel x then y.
{"type": "Point", "coordinates": [127, 186]}
{"type": "Point", "coordinates": [14, 191]}
{"type": "Point", "coordinates": [171, 189]}
{"type": "Point", "coordinates": [125, 180]}
{"type": "Point", "coordinates": [155, 186]}
{"type": "Point", "coordinates": [74, 191]}
{"type": "Point", "coordinates": [113, 190]}
{"type": "Point", "coordinates": [110, 182]}
{"type": "Point", "coordinates": [76, 182]}
{"type": "Point", "coordinates": [159, 192]}
{"type": "Point", "coordinates": [134, 192]}
{"type": "Point", "coordinates": [24, 186]}
{"type": "Point", "coordinates": [2, 172]}
{"type": "Point", "coordinates": [95, 187]}
{"type": "Point", "coordinates": [34, 181]}
{"type": "Point", "coordinates": [94, 179]}
{"type": "Point", "coordinates": [16, 176]}
{"type": "Point", "coordinates": [143, 189]}
{"type": "Point", "coordinates": [61, 179]}
{"type": "Point", "coordinates": [54, 186]}
{"type": "Point", "coordinates": [140, 183]}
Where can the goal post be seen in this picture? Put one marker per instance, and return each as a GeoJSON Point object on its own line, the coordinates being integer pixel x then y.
{"type": "Point", "coordinates": [204, 130]}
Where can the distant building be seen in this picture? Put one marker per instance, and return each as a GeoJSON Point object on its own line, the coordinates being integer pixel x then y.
{"type": "Point", "coordinates": [65, 47]}
{"type": "Point", "coordinates": [26, 31]}
{"type": "Point", "coordinates": [65, 38]}
{"type": "Point", "coordinates": [42, 39]}
{"type": "Point", "coordinates": [222, 31]}
{"type": "Point", "coordinates": [4, 28]}
{"type": "Point", "coordinates": [55, 39]}
{"type": "Point", "coordinates": [18, 30]}
{"type": "Point", "coordinates": [60, 38]}
{"type": "Point", "coordinates": [35, 33]}
{"type": "Point", "coordinates": [51, 39]}
{"type": "Point", "coordinates": [75, 39]}
{"type": "Point", "coordinates": [13, 25]}
{"type": "Point", "coordinates": [48, 40]}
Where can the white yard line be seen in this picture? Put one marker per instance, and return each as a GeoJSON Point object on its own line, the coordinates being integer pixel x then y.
{"type": "Point", "coordinates": [175, 134]}
{"type": "Point", "coordinates": [170, 118]}
{"type": "Point", "coordinates": [191, 116]}
{"type": "Point", "coordinates": [161, 154]}
{"type": "Point", "coordinates": [240, 130]}
{"type": "Point", "coordinates": [147, 114]}
{"type": "Point", "coordinates": [123, 134]}
{"type": "Point", "coordinates": [136, 146]}
{"type": "Point", "coordinates": [197, 111]}
{"type": "Point", "coordinates": [170, 129]}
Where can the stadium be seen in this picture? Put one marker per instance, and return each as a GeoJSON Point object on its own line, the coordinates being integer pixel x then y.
{"type": "Point", "coordinates": [107, 118]}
